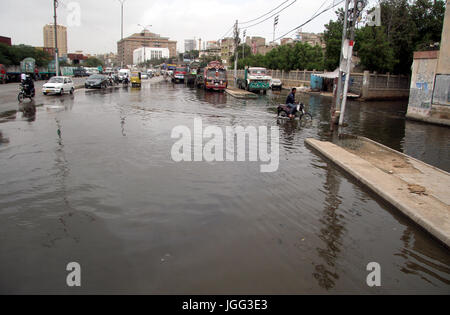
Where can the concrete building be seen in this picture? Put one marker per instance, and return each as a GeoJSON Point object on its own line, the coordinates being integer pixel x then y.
{"type": "Point", "coordinates": [311, 39]}
{"type": "Point", "coordinates": [143, 54]}
{"type": "Point", "coordinates": [212, 44]}
{"type": "Point", "coordinates": [61, 34]}
{"type": "Point", "coordinates": [126, 47]}
{"type": "Point", "coordinates": [226, 49]}
{"type": "Point", "coordinates": [256, 44]}
{"type": "Point", "coordinates": [189, 44]}
{"type": "Point", "coordinates": [5, 40]}
{"type": "Point", "coordinates": [429, 98]}
{"type": "Point", "coordinates": [286, 41]}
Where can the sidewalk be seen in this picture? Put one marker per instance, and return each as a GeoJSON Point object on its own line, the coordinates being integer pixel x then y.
{"type": "Point", "coordinates": [419, 190]}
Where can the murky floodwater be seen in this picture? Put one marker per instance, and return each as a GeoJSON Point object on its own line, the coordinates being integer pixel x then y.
{"type": "Point", "coordinates": [91, 180]}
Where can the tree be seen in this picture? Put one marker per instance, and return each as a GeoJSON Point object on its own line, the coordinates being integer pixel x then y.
{"type": "Point", "coordinates": [93, 62]}
{"type": "Point", "coordinates": [243, 50]}
{"type": "Point", "coordinates": [428, 18]}
{"type": "Point", "coordinates": [333, 41]}
{"type": "Point", "coordinates": [374, 50]}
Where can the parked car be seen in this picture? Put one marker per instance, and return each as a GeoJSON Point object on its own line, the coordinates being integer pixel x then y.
{"type": "Point", "coordinates": [96, 81]}
{"type": "Point", "coordinates": [58, 85]}
{"type": "Point", "coordinates": [80, 72]}
{"type": "Point", "coordinates": [276, 84]}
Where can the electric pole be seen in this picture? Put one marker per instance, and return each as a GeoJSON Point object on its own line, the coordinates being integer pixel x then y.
{"type": "Point", "coordinates": [121, 32]}
{"type": "Point", "coordinates": [344, 36]}
{"type": "Point", "coordinates": [358, 6]}
{"type": "Point", "coordinates": [243, 45]}
{"type": "Point", "coordinates": [236, 44]}
{"type": "Point", "coordinates": [55, 5]}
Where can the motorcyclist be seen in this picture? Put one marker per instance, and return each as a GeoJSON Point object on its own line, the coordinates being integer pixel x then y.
{"type": "Point", "coordinates": [28, 85]}
{"type": "Point", "coordinates": [290, 102]}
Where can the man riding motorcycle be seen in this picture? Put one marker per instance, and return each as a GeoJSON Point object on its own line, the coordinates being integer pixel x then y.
{"type": "Point", "coordinates": [28, 85]}
{"type": "Point", "coordinates": [290, 102]}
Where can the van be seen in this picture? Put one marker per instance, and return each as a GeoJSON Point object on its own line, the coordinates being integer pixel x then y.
{"type": "Point", "coordinates": [123, 73]}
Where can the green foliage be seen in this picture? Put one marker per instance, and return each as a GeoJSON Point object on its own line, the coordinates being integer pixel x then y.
{"type": "Point", "coordinates": [92, 62]}
{"type": "Point", "coordinates": [407, 26]}
{"type": "Point", "coordinates": [287, 57]}
{"type": "Point", "coordinates": [244, 50]}
{"type": "Point", "coordinates": [13, 55]}
{"type": "Point", "coordinates": [374, 50]}
{"type": "Point", "coordinates": [333, 39]}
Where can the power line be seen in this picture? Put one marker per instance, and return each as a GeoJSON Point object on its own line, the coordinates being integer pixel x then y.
{"type": "Point", "coordinates": [264, 14]}
{"type": "Point", "coordinates": [231, 28]}
{"type": "Point", "coordinates": [312, 18]}
{"type": "Point", "coordinates": [247, 27]}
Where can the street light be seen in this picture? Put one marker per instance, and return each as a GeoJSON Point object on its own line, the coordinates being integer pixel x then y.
{"type": "Point", "coordinates": [121, 30]}
{"type": "Point", "coordinates": [144, 28]}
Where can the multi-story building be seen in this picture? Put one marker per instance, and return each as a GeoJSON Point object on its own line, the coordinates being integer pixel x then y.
{"type": "Point", "coordinates": [226, 49]}
{"type": "Point", "coordinates": [257, 44]}
{"type": "Point", "coordinates": [61, 36]}
{"type": "Point", "coordinates": [311, 38]}
{"type": "Point", "coordinates": [128, 45]}
{"type": "Point", "coordinates": [286, 41]}
{"type": "Point", "coordinates": [143, 54]}
{"type": "Point", "coordinates": [189, 44]}
{"type": "Point", "coordinates": [212, 44]}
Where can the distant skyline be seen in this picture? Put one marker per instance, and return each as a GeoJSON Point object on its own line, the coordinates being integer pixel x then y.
{"type": "Point", "coordinates": [98, 29]}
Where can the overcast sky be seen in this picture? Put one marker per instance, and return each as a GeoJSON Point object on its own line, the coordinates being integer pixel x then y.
{"type": "Point", "coordinates": [99, 27]}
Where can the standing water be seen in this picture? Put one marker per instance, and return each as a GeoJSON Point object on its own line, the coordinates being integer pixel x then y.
{"type": "Point", "coordinates": [91, 180]}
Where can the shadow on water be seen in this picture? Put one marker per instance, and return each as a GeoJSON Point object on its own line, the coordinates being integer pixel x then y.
{"type": "Point", "coordinates": [331, 232]}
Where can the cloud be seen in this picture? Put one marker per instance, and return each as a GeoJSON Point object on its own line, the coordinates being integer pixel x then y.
{"type": "Point", "coordinates": [178, 19]}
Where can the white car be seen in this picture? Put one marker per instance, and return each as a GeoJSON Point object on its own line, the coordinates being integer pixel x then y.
{"type": "Point", "coordinates": [58, 85]}
{"type": "Point", "coordinates": [144, 76]}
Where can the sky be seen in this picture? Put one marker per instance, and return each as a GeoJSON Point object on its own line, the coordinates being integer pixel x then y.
{"type": "Point", "coordinates": [94, 26]}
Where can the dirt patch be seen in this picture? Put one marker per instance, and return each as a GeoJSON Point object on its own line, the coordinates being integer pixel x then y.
{"type": "Point", "coordinates": [386, 160]}
{"type": "Point", "coordinates": [417, 189]}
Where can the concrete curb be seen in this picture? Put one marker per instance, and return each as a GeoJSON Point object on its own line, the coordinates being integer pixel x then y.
{"type": "Point", "coordinates": [240, 94]}
{"type": "Point", "coordinates": [430, 120]}
{"type": "Point", "coordinates": [432, 220]}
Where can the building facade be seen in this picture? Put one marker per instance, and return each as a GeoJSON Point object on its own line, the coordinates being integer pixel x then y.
{"type": "Point", "coordinates": [61, 34]}
{"type": "Point", "coordinates": [143, 54]}
{"type": "Point", "coordinates": [189, 44]}
{"type": "Point", "coordinates": [311, 39]}
{"type": "Point", "coordinates": [5, 40]}
{"type": "Point", "coordinates": [226, 49]}
{"type": "Point", "coordinates": [429, 97]}
{"type": "Point", "coordinates": [128, 45]}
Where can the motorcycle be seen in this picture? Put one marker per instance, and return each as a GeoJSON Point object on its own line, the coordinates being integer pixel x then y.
{"type": "Point", "coordinates": [299, 112]}
{"type": "Point", "coordinates": [125, 82]}
{"type": "Point", "coordinates": [25, 91]}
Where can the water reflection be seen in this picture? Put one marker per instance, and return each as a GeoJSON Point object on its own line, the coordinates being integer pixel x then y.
{"type": "Point", "coordinates": [331, 232]}
{"type": "Point", "coordinates": [28, 111]}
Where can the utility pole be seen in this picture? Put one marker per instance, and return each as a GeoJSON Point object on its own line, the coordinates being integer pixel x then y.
{"type": "Point", "coordinates": [121, 31]}
{"type": "Point", "coordinates": [243, 45]}
{"type": "Point", "coordinates": [275, 23]}
{"type": "Point", "coordinates": [355, 12]}
{"type": "Point", "coordinates": [236, 44]}
{"type": "Point", "coordinates": [55, 5]}
{"type": "Point", "coordinates": [344, 37]}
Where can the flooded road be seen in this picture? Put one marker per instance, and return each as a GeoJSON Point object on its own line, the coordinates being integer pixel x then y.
{"type": "Point", "coordinates": [90, 179]}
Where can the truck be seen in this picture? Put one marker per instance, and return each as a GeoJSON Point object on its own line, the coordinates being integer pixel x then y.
{"type": "Point", "coordinates": [214, 77]}
{"type": "Point", "coordinates": [255, 79]}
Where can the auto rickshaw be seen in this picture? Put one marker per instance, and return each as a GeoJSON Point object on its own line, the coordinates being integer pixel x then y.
{"type": "Point", "coordinates": [135, 79]}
